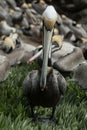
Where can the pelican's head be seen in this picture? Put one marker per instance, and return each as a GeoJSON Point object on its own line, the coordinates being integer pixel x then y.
{"type": "Point", "coordinates": [49, 17]}
{"type": "Point", "coordinates": [49, 20]}
{"type": "Point", "coordinates": [58, 39]}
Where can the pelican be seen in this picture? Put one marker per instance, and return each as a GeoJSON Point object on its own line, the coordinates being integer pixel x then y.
{"type": "Point", "coordinates": [10, 42]}
{"type": "Point", "coordinates": [45, 86]}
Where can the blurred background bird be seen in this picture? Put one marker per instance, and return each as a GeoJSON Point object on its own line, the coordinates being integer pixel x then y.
{"type": "Point", "coordinates": [10, 42]}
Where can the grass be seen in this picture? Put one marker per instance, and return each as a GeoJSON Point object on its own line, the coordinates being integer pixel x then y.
{"type": "Point", "coordinates": [71, 112]}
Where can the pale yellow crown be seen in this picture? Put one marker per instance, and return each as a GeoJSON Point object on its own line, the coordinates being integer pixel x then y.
{"type": "Point", "coordinates": [49, 17]}
{"type": "Point", "coordinates": [58, 39]}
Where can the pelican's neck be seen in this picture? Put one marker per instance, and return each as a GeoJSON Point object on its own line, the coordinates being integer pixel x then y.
{"type": "Point", "coordinates": [49, 18]}
{"type": "Point", "coordinates": [46, 54]}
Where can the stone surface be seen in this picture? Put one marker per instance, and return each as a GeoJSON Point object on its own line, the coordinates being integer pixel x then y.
{"type": "Point", "coordinates": [67, 58]}
{"type": "Point", "coordinates": [4, 68]}
{"type": "Point", "coordinates": [80, 74]}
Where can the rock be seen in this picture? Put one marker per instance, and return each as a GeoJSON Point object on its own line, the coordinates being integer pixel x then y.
{"type": "Point", "coordinates": [67, 58]}
{"type": "Point", "coordinates": [16, 16]}
{"type": "Point", "coordinates": [11, 3]}
{"type": "Point", "coordinates": [80, 74]}
{"type": "Point", "coordinates": [4, 12]}
{"type": "Point", "coordinates": [5, 29]}
{"type": "Point", "coordinates": [39, 7]}
{"type": "Point", "coordinates": [24, 23]}
{"type": "Point", "coordinates": [4, 68]}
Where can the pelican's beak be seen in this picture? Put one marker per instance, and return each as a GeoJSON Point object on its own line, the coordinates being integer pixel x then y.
{"type": "Point", "coordinates": [49, 20]}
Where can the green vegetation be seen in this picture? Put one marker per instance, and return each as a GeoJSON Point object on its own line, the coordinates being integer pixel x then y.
{"type": "Point", "coordinates": [71, 113]}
